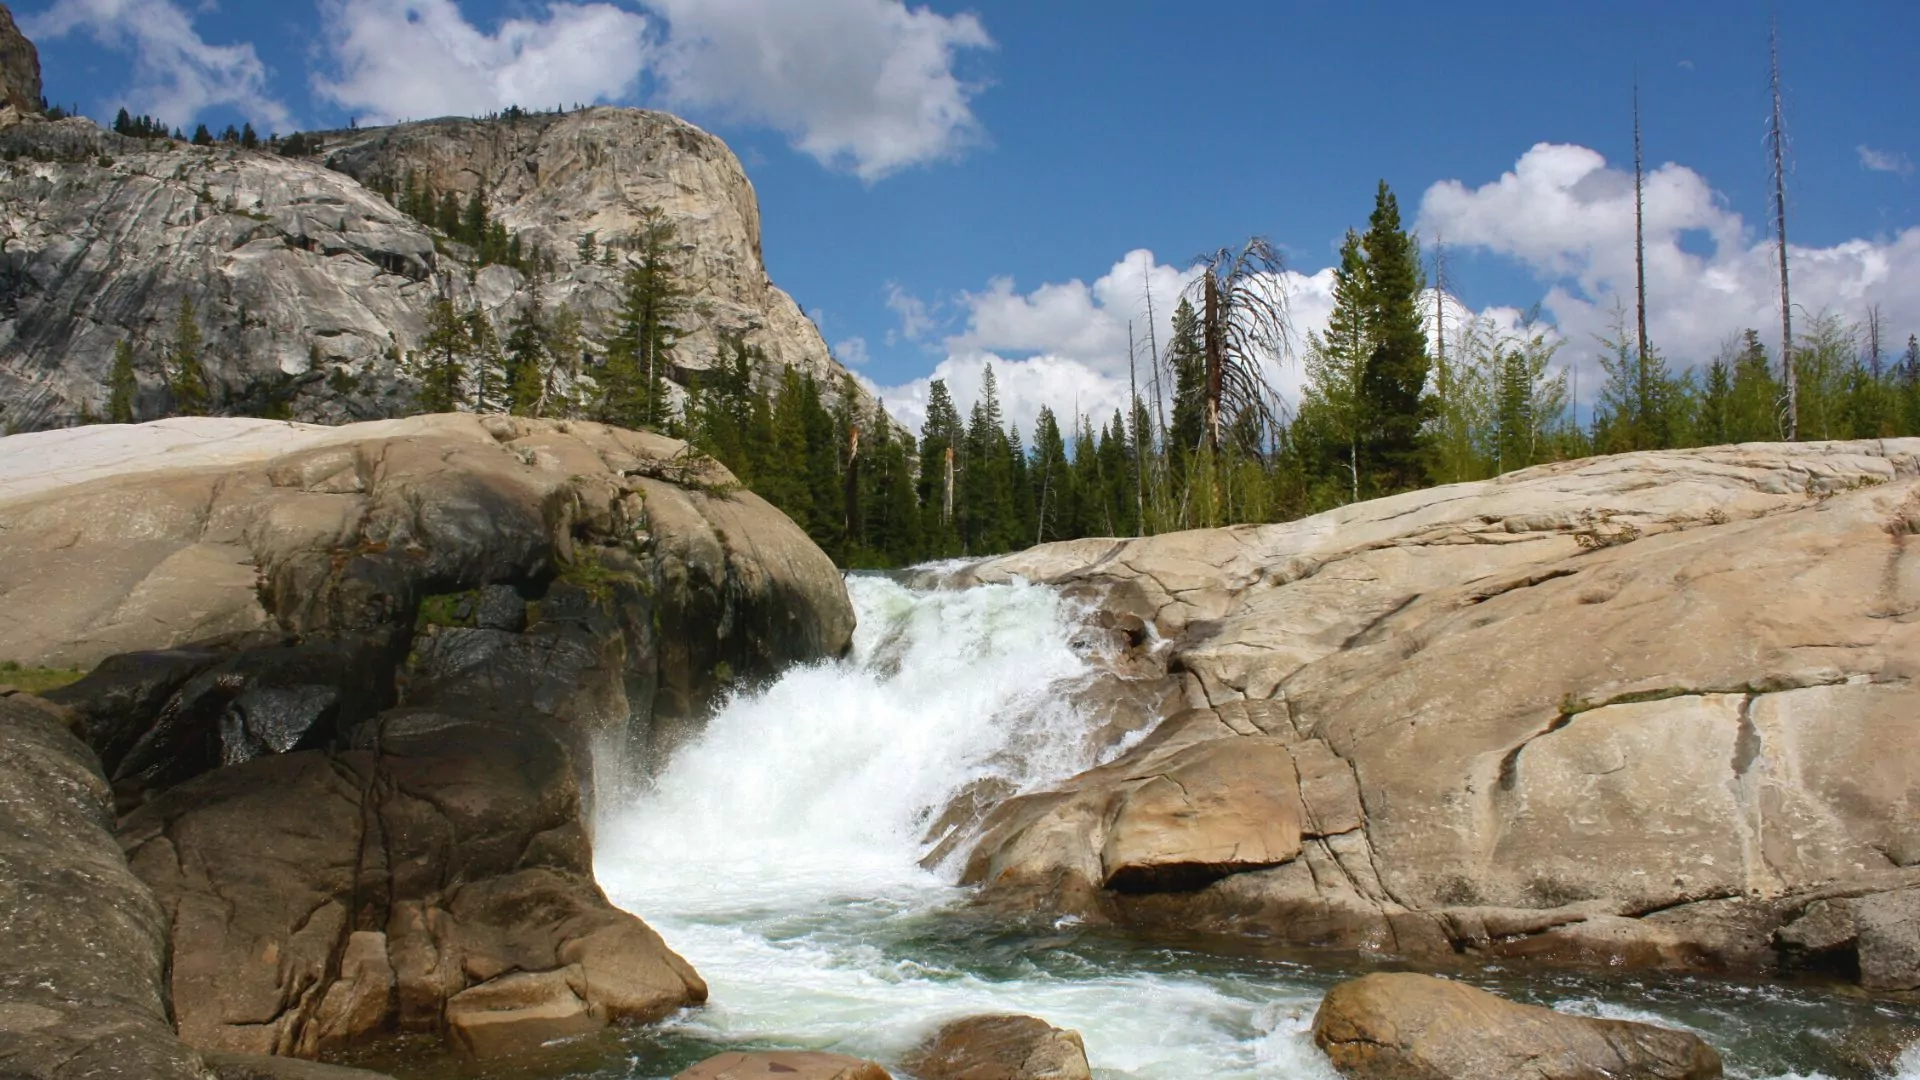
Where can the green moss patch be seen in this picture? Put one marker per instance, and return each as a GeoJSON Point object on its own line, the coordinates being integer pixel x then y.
{"type": "Point", "coordinates": [37, 680]}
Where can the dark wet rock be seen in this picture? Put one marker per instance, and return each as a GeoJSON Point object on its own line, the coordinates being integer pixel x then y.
{"type": "Point", "coordinates": [500, 607]}
{"type": "Point", "coordinates": [1889, 939]}
{"type": "Point", "coordinates": [157, 719]}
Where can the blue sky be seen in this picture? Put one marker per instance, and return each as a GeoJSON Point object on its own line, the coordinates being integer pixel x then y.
{"type": "Point", "coordinates": [944, 186]}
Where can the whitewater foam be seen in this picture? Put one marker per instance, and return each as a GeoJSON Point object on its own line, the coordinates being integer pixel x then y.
{"type": "Point", "coordinates": [779, 852]}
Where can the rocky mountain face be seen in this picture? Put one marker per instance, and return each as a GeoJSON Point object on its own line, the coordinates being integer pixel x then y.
{"type": "Point", "coordinates": [1652, 709]}
{"type": "Point", "coordinates": [309, 287]}
{"type": "Point", "coordinates": [355, 693]}
{"type": "Point", "coordinates": [19, 68]}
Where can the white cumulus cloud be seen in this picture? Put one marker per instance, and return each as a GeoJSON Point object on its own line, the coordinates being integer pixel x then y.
{"type": "Point", "coordinates": [1065, 344]}
{"type": "Point", "coordinates": [867, 86]}
{"type": "Point", "coordinates": [1891, 161]}
{"type": "Point", "coordinates": [864, 86]}
{"type": "Point", "coordinates": [176, 73]}
{"type": "Point", "coordinates": [1567, 215]}
{"type": "Point", "coordinates": [415, 59]}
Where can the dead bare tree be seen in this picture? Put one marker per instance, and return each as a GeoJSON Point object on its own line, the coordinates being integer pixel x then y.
{"type": "Point", "coordinates": [1243, 323]}
{"type": "Point", "coordinates": [1777, 144]}
{"type": "Point", "coordinates": [1639, 232]}
{"type": "Point", "coordinates": [1139, 441]}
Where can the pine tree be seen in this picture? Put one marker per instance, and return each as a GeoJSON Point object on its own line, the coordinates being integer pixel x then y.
{"type": "Point", "coordinates": [528, 362]}
{"type": "Point", "coordinates": [447, 216]}
{"type": "Point", "coordinates": [1642, 406]}
{"type": "Point", "coordinates": [786, 471]}
{"type": "Point", "coordinates": [1753, 406]}
{"type": "Point", "coordinates": [249, 138]}
{"type": "Point", "coordinates": [122, 383]}
{"type": "Point", "coordinates": [1394, 381]}
{"type": "Point", "coordinates": [1715, 425]}
{"type": "Point", "coordinates": [473, 221]}
{"type": "Point", "coordinates": [567, 389]}
{"type": "Point", "coordinates": [1186, 356]}
{"type": "Point", "coordinates": [1332, 408]}
{"type": "Point", "coordinates": [186, 377]}
{"type": "Point", "coordinates": [489, 363]}
{"type": "Point", "coordinates": [1907, 380]}
{"type": "Point", "coordinates": [641, 354]}
{"type": "Point", "coordinates": [441, 366]}
{"type": "Point", "coordinates": [1050, 478]}
{"type": "Point", "coordinates": [202, 137]}
{"type": "Point", "coordinates": [940, 438]}
{"type": "Point", "coordinates": [987, 519]}
{"type": "Point", "coordinates": [122, 123]}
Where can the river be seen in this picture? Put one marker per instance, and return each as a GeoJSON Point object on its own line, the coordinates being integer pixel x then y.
{"type": "Point", "coordinates": [779, 852]}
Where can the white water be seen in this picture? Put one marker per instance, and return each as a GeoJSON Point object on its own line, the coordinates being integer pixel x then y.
{"type": "Point", "coordinates": [779, 851]}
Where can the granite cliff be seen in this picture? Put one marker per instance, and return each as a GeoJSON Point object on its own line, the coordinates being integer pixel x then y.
{"type": "Point", "coordinates": [309, 286]}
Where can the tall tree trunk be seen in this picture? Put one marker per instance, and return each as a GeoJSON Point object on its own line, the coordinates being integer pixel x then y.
{"type": "Point", "coordinates": [1139, 444]}
{"type": "Point", "coordinates": [1776, 139]}
{"type": "Point", "coordinates": [1211, 331]}
{"type": "Point", "coordinates": [946, 496]}
{"type": "Point", "coordinates": [1641, 373]}
{"type": "Point", "coordinates": [850, 521]}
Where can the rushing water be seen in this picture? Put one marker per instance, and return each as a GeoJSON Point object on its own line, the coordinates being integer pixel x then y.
{"type": "Point", "coordinates": [779, 852]}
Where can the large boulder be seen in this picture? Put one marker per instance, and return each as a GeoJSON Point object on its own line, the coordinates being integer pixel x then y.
{"type": "Point", "coordinates": [365, 806]}
{"type": "Point", "coordinates": [122, 539]}
{"type": "Point", "coordinates": [1646, 709]}
{"type": "Point", "coordinates": [83, 945]}
{"type": "Point", "coordinates": [1000, 1047]}
{"type": "Point", "coordinates": [1417, 1027]}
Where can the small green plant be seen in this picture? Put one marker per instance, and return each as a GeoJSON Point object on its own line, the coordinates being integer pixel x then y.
{"type": "Point", "coordinates": [446, 609]}
{"type": "Point", "coordinates": [598, 580]}
{"type": "Point", "coordinates": [37, 680]}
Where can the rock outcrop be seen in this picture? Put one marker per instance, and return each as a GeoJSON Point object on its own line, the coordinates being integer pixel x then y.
{"type": "Point", "coordinates": [1417, 1027]}
{"type": "Point", "coordinates": [1000, 1048]}
{"type": "Point", "coordinates": [554, 179]}
{"type": "Point", "coordinates": [83, 945]}
{"type": "Point", "coordinates": [19, 68]}
{"type": "Point", "coordinates": [309, 288]}
{"type": "Point", "coordinates": [1648, 709]}
{"type": "Point", "coordinates": [380, 672]}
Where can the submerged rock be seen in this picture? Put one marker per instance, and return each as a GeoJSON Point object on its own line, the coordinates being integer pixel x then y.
{"type": "Point", "coordinates": [1000, 1048]}
{"type": "Point", "coordinates": [1417, 1027]}
{"type": "Point", "coordinates": [786, 1065]}
{"type": "Point", "coordinates": [1639, 710]}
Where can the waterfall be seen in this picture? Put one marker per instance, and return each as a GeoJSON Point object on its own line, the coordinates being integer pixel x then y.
{"type": "Point", "coordinates": [780, 851]}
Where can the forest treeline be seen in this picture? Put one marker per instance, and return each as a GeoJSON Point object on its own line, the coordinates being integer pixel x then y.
{"type": "Point", "coordinates": [1388, 404]}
